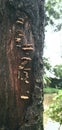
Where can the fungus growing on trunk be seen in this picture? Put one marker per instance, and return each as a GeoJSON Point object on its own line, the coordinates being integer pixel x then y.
{"type": "Point", "coordinates": [26, 58]}
{"type": "Point", "coordinates": [18, 39]}
{"type": "Point", "coordinates": [20, 22]}
{"type": "Point", "coordinates": [24, 97]}
{"type": "Point", "coordinates": [28, 48]}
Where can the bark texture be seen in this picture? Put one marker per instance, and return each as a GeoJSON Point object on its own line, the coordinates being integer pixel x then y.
{"type": "Point", "coordinates": [21, 66]}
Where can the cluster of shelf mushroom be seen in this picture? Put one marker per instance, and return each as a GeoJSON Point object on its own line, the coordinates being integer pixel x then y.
{"type": "Point", "coordinates": [26, 48]}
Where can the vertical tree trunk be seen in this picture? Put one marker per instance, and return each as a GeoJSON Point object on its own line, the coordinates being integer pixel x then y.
{"type": "Point", "coordinates": [21, 66]}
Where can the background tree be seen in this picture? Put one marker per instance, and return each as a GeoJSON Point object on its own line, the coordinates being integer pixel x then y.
{"type": "Point", "coordinates": [53, 13]}
{"type": "Point", "coordinates": [58, 71]}
{"type": "Point", "coordinates": [53, 17]}
{"type": "Point", "coordinates": [21, 66]}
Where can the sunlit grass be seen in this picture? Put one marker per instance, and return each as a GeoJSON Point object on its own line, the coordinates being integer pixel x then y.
{"type": "Point", "coordinates": [51, 90]}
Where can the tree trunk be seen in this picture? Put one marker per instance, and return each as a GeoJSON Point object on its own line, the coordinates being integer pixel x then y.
{"type": "Point", "coordinates": [21, 66]}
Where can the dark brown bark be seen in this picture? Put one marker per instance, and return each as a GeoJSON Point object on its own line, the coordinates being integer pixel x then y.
{"type": "Point", "coordinates": [21, 66]}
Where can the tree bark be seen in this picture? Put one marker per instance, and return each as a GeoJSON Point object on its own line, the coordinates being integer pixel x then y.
{"type": "Point", "coordinates": [21, 65]}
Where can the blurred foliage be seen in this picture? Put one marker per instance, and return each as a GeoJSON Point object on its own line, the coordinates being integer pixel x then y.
{"type": "Point", "coordinates": [47, 69]}
{"type": "Point", "coordinates": [55, 109]}
{"type": "Point", "coordinates": [52, 76]}
{"type": "Point", "coordinates": [58, 71]}
{"type": "Point", "coordinates": [47, 65]}
{"type": "Point", "coordinates": [56, 83]}
{"type": "Point", "coordinates": [53, 11]}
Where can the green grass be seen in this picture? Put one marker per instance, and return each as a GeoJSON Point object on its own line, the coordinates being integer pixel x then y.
{"type": "Point", "coordinates": [51, 90]}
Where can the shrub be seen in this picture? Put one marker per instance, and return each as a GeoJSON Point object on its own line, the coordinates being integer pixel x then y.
{"type": "Point", "coordinates": [55, 109]}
